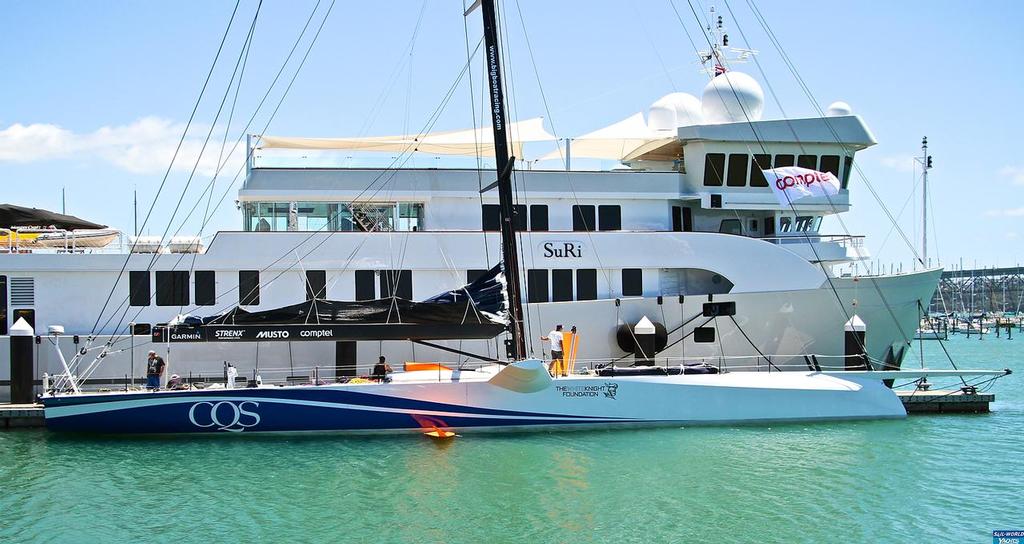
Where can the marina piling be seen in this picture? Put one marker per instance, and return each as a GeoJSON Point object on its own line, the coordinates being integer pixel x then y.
{"type": "Point", "coordinates": [21, 362]}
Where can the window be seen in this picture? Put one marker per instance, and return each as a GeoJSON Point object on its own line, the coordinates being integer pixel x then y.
{"type": "Point", "coordinates": [847, 167]}
{"type": "Point", "coordinates": [561, 285]}
{"type": "Point", "coordinates": [737, 173]}
{"type": "Point", "coordinates": [807, 161]}
{"type": "Point", "coordinates": [758, 163]}
{"type": "Point", "coordinates": [783, 160]}
{"type": "Point", "coordinates": [692, 281]}
{"type": "Point", "coordinates": [138, 288]}
{"type": "Point", "coordinates": [586, 284]}
{"type": "Point", "coordinates": [248, 287]}
{"type": "Point", "coordinates": [785, 224]}
{"type": "Point", "coordinates": [682, 219]}
{"type": "Point", "coordinates": [704, 335]}
{"type": "Point", "coordinates": [364, 285]}
{"type": "Point", "coordinates": [172, 288]}
{"type": "Point", "coordinates": [753, 225]}
{"type": "Point", "coordinates": [539, 217]}
{"type": "Point", "coordinates": [609, 217]}
{"type": "Point", "coordinates": [492, 217]}
{"type": "Point", "coordinates": [519, 217]}
{"type": "Point", "coordinates": [473, 275]}
{"type": "Point", "coordinates": [583, 217]}
{"type": "Point", "coordinates": [396, 283]}
{"type": "Point", "coordinates": [714, 169]}
{"type": "Point", "coordinates": [807, 223]}
{"type": "Point", "coordinates": [316, 284]}
{"type": "Point", "coordinates": [410, 216]}
{"type": "Point", "coordinates": [537, 285]}
{"type": "Point", "coordinates": [731, 226]}
{"type": "Point", "coordinates": [632, 282]}
{"type": "Point", "coordinates": [206, 288]}
{"type": "Point", "coordinates": [3, 305]}
{"type": "Point", "coordinates": [830, 163]}
{"type": "Point", "coordinates": [142, 329]}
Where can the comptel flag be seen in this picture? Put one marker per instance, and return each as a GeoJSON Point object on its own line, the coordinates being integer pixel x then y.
{"type": "Point", "coordinates": [791, 183]}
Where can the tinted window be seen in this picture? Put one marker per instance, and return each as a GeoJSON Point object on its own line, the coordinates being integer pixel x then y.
{"type": "Point", "coordinates": [586, 284]}
{"type": "Point", "coordinates": [807, 161]}
{"type": "Point", "coordinates": [142, 329]}
{"type": "Point", "coordinates": [830, 163]}
{"type": "Point", "coordinates": [632, 282]}
{"type": "Point", "coordinates": [396, 283]}
{"type": "Point", "coordinates": [583, 217]}
{"type": "Point", "coordinates": [316, 284]}
{"type": "Point", "coordinates": [561, 285]}
{"type": "Point", "coordinates": [248, 287]}
{"type": "Point", "coordinates": [677, 218]}
{"type": "Point", "coordinates": [757, 163]}
{"type": "Point", "coordinates": [737, 170]}
{"type": "Point", "coordinates": [138, 288]}
{"type": "Point", "coordinates": [519, 217]}
{"type": "Point", "coordinates": [539, 217]}
{"type": "Point", "coordinates": [491, 217]}
{"type": "Point", "coordinates": [609, 217]}
{"type": "Point", "coordinates": [714, 169]}
{"type": "Point", "coordinates": [537, 285]}
{"type": "Point", "coordinates": [731, 226]}
{"type": "Point", "coordinates": [473, 275]}
{"type": "Point", "coordinates": [364, 285]}
{"type": "Point", "coordinates": [206, 288]}
{"type": "Point", "coordinates": [3, 305]}
{"type": "Point", "coordinates": [172, 288]}
{"type": "Point", "coordinates": [847, 167]}
{"type": "Point", "coordinates": [784, 160]}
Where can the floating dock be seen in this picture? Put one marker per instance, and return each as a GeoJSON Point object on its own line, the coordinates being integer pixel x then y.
{"type": "Point", "coordinates": [20, 416]}
{"type": "Point", "coordinates": [946, 402]}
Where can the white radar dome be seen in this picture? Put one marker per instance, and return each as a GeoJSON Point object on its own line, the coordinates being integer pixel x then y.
{"type": "Point", "coordinates": [732, 97]}
{"type": "Point", "coordinates": [838, 109]}
{"type": "Point", "coordinates": [673, 111]}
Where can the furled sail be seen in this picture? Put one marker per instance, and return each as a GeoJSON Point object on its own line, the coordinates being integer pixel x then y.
{"type": "Point", "coordinates": [474, 311]}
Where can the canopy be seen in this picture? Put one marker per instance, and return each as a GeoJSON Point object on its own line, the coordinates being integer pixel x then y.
{"type": "Point", "coordinates": [615, 141]}
{"type": "Point", "coordinates": [20, 216]}
{"type": "Point", "coordinates": [468, 142]}
{"type": "Point", "coordinates": [475, 311]}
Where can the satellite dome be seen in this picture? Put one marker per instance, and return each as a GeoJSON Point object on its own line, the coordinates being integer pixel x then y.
{"type": "Point", "coordinates": [673, 111]}
{"type": "Point", "coordinates": [732, 97]}
{"type": "Point", "coordinates": [838, 109]}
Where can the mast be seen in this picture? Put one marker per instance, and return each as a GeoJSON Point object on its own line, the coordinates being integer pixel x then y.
{"type": "Point", "coordinates": [509, 250]}
{"type": "Point", "coordinates": [926, 165]}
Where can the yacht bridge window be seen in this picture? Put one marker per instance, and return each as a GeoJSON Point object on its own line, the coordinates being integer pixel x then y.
{"type": "Point", "coordinates": [333, 216]}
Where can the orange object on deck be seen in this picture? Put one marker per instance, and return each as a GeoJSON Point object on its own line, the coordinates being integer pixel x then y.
{"type": "Point", "coordinates": [411, 367]}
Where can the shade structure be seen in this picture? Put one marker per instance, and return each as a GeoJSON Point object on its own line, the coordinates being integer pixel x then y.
{"type": "Point", "coordinates": [20, 216]}
{"type": "Point", "coordinates": [613, 142]}
{"type": "Point", "coordinates": [468, 142]}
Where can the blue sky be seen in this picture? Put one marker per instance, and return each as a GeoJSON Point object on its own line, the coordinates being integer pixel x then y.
{"type": "Point", "coordinates": [96, 95]}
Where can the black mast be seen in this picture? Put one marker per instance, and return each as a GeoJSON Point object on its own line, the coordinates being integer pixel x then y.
{"type": "Point", "coordinates": [509, 251]}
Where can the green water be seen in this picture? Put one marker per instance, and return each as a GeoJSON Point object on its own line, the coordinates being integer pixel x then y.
{"type": "Point", "coordinates": [925, 479]}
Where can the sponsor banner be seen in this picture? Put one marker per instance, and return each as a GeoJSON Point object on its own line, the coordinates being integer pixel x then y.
{"type": "Point", "coordinates": [229, 333]}
{"type": "Point", "coordinates": [791, 183]}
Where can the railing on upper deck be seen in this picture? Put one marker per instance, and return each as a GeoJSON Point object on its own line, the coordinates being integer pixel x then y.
{"type": "Point", "coordinates": [844, 240]}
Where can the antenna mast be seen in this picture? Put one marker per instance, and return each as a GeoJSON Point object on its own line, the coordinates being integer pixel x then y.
{"type": "Point", "coordinates": [926, 164]}
{"type": "Point", "coordinates": [509, 251]}
{"type": "Point", "coordinates": [720, 48]}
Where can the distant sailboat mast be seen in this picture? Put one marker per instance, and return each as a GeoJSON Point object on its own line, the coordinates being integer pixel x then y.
{"type": "Point", "coordinates": [499, 123]}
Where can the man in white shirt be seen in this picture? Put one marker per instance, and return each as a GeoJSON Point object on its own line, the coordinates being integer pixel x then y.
{"type": "Point", "coordinates": [555, 337]}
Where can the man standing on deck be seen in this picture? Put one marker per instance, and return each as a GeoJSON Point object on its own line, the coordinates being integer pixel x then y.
{"type": "Point", "coordinates": [154, 369]}
{"type": "Point", "coordinates": [555, 337]}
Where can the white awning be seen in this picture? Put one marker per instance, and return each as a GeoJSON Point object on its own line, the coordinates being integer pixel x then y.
{"type": "Point", "coordinates": [468, 142]}
{"type": "Point", "coordinates": [615, 141]}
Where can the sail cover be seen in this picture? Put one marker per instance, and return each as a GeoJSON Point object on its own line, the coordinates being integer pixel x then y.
{"type": "Point", "coordinates": [475, 311]}
{"type": "Point", "coordinates": [20, 216]}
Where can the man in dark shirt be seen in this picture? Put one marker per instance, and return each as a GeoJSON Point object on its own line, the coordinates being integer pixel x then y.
{"type": "Point", "coordinates": [154, 369]}
{"type": "Point", "coordinates": [381, 370]}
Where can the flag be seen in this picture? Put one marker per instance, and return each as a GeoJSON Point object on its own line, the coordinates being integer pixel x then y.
{"type": "Point", "coordinates": [791, 183]}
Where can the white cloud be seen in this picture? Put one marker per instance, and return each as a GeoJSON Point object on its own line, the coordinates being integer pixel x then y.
{"type": "Point", "coordinates": [900, 163]}
{"type": "Point", "coordinates": [144, 146]}
{"type": "Point", "coordinates": [1006, 212]}
{"type": "Point", "coordinates": [1014, 173]}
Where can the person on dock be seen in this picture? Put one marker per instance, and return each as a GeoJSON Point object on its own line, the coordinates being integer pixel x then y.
{"type": "Point", "coordinates": [555, 337]}
{"type": "Point", "coordinates": [154, 370]}
{"type": "Point", "coordinates": [381, 370]}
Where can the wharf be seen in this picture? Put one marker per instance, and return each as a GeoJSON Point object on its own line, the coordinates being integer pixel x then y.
{"type": "Point", "coordinates": [20, 416]}
{"type": "Point", "coordinates": [945, 402]}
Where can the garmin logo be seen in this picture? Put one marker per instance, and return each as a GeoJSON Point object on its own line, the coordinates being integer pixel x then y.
{"type": "Point", "coordinates": [186, 336]}
{"type": "Point", "coordinates": [229, 334]}
{"type": "Point", "coordinates": [272, 334]}
{"type": "Point", "coordinates": [569, 249]}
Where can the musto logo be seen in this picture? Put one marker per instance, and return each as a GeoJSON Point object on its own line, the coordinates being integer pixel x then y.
{"type": "Point", "coordinates": [225, 415]}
